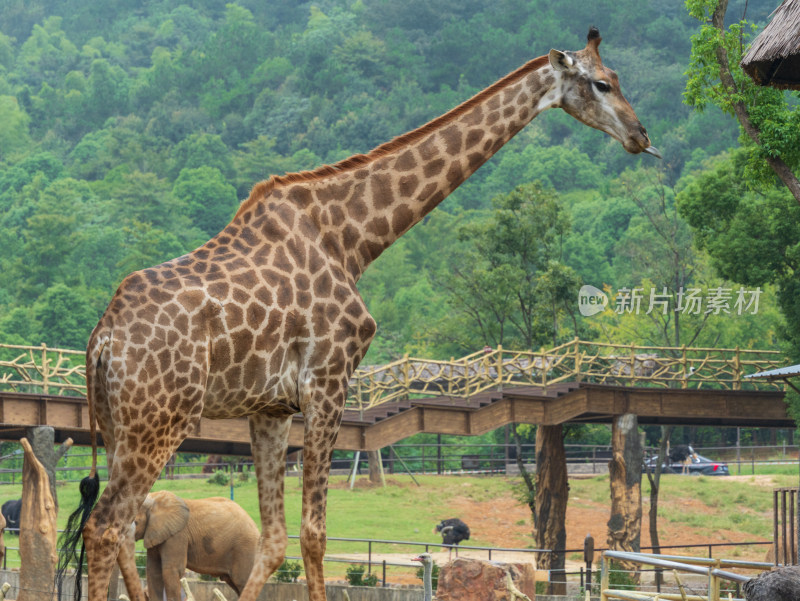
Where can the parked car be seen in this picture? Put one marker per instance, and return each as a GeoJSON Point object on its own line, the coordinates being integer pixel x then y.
{"type": "Point", "coordinates": [699, 466]}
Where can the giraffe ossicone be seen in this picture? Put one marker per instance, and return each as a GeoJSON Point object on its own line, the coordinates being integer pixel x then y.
{"type": "Point", "coordinates": [264, 320]}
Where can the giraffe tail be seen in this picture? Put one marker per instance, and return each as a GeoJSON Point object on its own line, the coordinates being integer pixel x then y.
{"type": "Point", "coordinates": [89, 489]}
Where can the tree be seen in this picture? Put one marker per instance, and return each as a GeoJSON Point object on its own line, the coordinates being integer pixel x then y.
{"type": "Point", "coordinates": [201, 150]}
{"type": "Point", "coordinates": [47, 55]}
{"type": "Point", "coordinates": [625, 478]}
{"type": "Point", "coordinates": [552, 494]}
{"type": "Point", "coordinates": [210, 200]}
{"type": "Point", "coordinates": [769, 120]}
{"type": "Point", "coordinates": [657, 249]}
{"type": "Point", "coordinates": [655, 487]}
{"type": "Point", "coordinates": [65, 318]}
{"type": "Point", "coordinates": [508, 278]}
{"type": "Point", "coordinates": [107, 92]}
{"type": "Point", "coordinates": [14, 122]}
{"type": "Point", "coordinates": [750, 235]}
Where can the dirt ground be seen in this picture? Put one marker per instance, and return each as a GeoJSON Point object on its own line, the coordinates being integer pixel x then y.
{"type": "Point", "coordinates": [505, 523]}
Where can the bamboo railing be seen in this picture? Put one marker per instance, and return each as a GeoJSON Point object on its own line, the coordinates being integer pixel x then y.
{"type": "Point", "coordinates": [59, 371]}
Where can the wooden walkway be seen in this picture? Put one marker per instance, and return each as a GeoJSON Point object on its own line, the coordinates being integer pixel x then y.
{"type": "Point", "coordinates": [389, 422]}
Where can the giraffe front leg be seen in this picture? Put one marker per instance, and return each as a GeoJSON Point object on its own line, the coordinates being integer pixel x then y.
{"type": "Point", "coordinates": [320, 435]}
{"type": "Point", "coordinates": [269, 438]}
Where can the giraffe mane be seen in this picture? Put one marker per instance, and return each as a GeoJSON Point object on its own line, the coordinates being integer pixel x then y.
{"type": "Point", "coordinates": [264, 187]}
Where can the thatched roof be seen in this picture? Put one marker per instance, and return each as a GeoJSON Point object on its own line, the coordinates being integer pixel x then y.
{"type": "Point", "coordinates": [774, 57]}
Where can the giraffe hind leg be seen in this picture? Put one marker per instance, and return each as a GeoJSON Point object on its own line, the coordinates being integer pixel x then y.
{"type": "Point", "coordinates": [134, 470]}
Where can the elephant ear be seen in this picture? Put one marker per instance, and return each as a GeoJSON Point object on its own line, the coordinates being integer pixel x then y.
{"type": "Point", "coordinates": [168, 515]}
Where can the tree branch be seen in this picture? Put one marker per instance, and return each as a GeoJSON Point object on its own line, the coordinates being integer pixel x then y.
{"type": "Point", "coordinates": [780, 168]}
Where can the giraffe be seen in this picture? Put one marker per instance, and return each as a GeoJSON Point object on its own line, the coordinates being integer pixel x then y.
{"type": "Point", "coordinates": [265, 321]}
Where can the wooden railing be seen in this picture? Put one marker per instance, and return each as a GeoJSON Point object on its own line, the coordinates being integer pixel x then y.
{"type": "Point", "coordinates": [60, 371]}
{"type": "Point", "coordinates": [574, 361]}
{"type": "Point", "coordinates": [42, 369]}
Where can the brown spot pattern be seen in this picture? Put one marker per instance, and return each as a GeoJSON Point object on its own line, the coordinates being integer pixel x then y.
{"type": "Point", "coordinates": [265, 319]}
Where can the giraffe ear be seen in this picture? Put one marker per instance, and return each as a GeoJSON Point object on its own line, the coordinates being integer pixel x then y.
{"type": "Point", "coordinates": [168, 514]}
{"type": "Point", "coordinates": [561, 61]}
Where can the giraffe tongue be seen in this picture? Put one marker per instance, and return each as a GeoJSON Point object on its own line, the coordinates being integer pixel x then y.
{"type": "Point", "coordinates": [652, 150]}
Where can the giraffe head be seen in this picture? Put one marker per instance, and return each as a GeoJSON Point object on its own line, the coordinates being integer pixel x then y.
{"type": "Point", "coordinates": [590, 92]}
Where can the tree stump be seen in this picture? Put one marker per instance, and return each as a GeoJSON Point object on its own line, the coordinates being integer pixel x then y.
{"type": "Point", "coordinates": [625, 476]}
{"type": "Point", "coordinates": [43, 440]}
{"type": "Point", "coordinates": [37, 536]}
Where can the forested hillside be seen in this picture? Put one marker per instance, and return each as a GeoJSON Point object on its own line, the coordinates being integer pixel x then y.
{"type": "Point", "coordinates": [131, 129]}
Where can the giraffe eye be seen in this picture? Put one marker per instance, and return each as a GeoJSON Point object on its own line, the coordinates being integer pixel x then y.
{"type": "Point", "coordinates": [602, 86]}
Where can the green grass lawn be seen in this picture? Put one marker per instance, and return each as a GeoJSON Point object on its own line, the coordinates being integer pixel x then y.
{"type": "Point", "coordinates": [406, 512]}
{"type": "Point", "coordinates": [403, 511]}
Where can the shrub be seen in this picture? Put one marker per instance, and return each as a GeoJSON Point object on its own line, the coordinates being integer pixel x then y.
{"type": "Point", "coordinates": [619, 578]}
{"type": "Point", "coordinates": [356, 577]}
{"type": "Point", "coordinates": [141, 562]}
{"type": "Point", "coordinates": [220, 477]}
{"type": "Point", "coordinates": [288, 572]}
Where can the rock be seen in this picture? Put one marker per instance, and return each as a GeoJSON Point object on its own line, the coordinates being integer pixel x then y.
{"type": "Point", "coordinates": [779, 584]}
{"type": "Point", "coordinates": [478, 580]}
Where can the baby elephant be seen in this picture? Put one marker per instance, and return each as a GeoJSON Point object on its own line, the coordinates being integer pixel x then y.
{"type": "Point", "coordinates": [210, 536]}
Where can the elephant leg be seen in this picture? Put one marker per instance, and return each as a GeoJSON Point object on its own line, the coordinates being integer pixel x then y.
{"type": "Point", "coordinates": [269, 438]}
{"type": "Point", "coordinates": [155, 578]}
{"type": "Point", "coordinates": [172, 555]}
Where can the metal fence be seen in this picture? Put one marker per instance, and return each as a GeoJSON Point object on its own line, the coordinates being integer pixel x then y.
{"type": "Point", "coordinates": [714, 571]}
{"type": "Point", "coordinates": [373, 557]}
{"type": "Point", "coordinates": [425, 458]}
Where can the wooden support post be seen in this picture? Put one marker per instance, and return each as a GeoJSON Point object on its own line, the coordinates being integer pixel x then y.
{"type": "Point", "coordinates": [499, 367]}
{"type": "Point", "coordinates": [604, 567]}
{"type": "Point", "coordinates": [375, 463]}
{"type": "Point", "coordinates": [355, 468]}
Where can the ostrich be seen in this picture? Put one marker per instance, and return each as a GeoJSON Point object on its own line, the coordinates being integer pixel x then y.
{"type": "Point", "coordinates": [453, 531]}
{"type": "Point", "coordinates": [427, 579]}
{"type": "Point", "coordinates": [781, 584]}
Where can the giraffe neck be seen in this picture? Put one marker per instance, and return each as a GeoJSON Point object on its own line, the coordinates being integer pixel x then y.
{"type": "Point", "coordinates": [363, 204]}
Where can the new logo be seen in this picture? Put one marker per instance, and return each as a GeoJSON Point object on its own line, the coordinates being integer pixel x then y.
{"type": "Point", "coordinates": [591, 300]}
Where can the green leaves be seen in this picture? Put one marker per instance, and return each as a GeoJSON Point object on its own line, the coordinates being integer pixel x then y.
{"type": "Point", "coordinates": [509, 280]}
{"type": "Point", "coordinates": [773, 113]}
{"type": "Point", "coordinates": [13, 128]}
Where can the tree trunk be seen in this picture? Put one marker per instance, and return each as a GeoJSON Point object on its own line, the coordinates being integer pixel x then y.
{"type": "Point", "coordinates": [552, 493]}
{"type": "Point", "coordinates": [655, 483]}
{"type": "Point", "coordinates": [376, 468]}
{"type": "Point", "coordinates": [625, 475]}
{"type": "Point", "coordinates": [526, 477]}
{"type": "Point", "coordinates": [37, 536]}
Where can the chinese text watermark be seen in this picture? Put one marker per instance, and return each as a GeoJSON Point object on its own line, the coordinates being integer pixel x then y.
{"type": "Point", "coordinates": [687, 301]}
